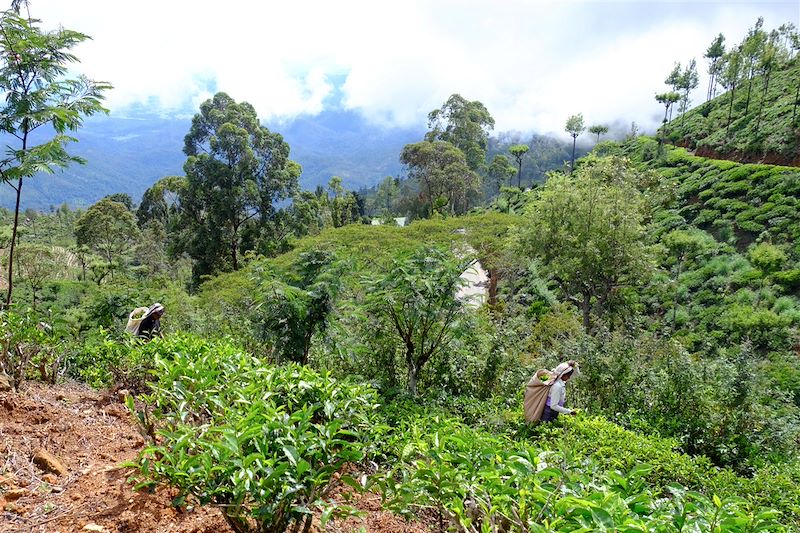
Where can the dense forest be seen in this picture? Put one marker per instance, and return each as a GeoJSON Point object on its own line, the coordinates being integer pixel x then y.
{"type": "Point", "coordinates": [312, 347]}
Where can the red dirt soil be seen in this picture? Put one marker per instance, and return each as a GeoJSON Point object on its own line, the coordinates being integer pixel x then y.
{"type": "Point", "coordinates": [91, 434]}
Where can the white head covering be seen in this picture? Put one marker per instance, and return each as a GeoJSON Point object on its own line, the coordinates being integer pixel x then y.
{"type": "Point", "coordinates": [565, 367]}
{"type": "Point", "coordinates": [155, 308]}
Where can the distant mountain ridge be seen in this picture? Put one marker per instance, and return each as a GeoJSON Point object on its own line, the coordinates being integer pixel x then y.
{"type": "Point", "coordinates": [129, 154]}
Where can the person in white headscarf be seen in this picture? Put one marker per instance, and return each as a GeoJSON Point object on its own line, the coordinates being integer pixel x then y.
{"type": "Point", "coordinates": [150, 326]}
{"type": "Point", "coordinates": [557, 396]}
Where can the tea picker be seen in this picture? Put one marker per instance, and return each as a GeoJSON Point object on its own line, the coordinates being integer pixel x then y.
{"type": "Point", "coordinates": [145, 322]}
{"type": "Point", "coordinates": [545, 393]}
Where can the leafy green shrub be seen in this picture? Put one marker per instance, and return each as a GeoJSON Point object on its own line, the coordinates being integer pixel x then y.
{"type": "Point", "coordinates": [263, 443]}
{"type": "Point", "coordinates": [101, 359]}
{"type": "Point", "coordinates": [762, 326]}
{"type": "Point", "coordinates": [706, 216]}
{"type": "Point", "coordinates": [92, 358]}
{"type": "Point", "coordinates": [471, 480]}
{"type": "Point", "coordinates": [788, 278]}
{"type": "Point", "coordinates": [290, 314]}
{"type": "Point", "coordinates": [21, 338]}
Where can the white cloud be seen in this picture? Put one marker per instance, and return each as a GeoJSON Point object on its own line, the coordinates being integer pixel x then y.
{"type": "Point", "coordinates": [532, 63]}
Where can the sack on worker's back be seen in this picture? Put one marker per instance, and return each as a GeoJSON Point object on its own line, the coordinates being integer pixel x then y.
{"type": "Point", "coordinates": [536, 392]}
{"type": "Point", "coordinates": [135, 319]}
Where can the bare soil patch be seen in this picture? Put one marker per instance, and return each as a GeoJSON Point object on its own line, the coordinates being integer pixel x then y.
{"type": "Point", "coordinates": [89, 435]}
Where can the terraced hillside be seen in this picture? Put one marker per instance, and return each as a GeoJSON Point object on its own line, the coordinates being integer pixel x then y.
{"type": "Point", "coordinates": [757, 122]}
{"type": "Point", "coordinates": [737, 203]}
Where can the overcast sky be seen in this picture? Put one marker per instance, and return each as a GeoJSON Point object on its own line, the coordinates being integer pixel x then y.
{"type": "Point", "coordinates": [532, 63]}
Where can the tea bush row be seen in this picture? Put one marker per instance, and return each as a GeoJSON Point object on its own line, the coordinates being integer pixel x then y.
{"type": "Point", "coordinates": [586, 474]}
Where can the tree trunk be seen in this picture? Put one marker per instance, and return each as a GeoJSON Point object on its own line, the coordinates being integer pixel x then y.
{"type": "Point", "coordinates": [234, 259]}
{"type": "Point", "coordinates": [413, 370]}
{"type": "Point", "coordinates": [412, 379]}
{"type": "Point", "coordinates": [685, 104]}
{"type": "Point", "coordinates": [307, 525]}
{"type": "Point", "coordinates": [572, 164]}
{"type": "Point", "coordinates": [761, 105]}
{"type": "Point", "coordinates": [586, 307]}
{"type": "Point", "coordinates": [749, 90]}
{"type": "Point", "coordinates": [493, 287]}
{"type": "Point", "coordinates": [307, 344]}
{"type": "Point", "coordinates": [13, 241]}
{"type": "Point", "coordinates": [430, 196]}
{"type": "Point", "coordinates": [730, 109]}
{"type": "Point", "coordinates": [710, 82]}
{"type": "Point", "coordinates": [519, 174]}
{"type": "Point", "coordinates": [714, 86]}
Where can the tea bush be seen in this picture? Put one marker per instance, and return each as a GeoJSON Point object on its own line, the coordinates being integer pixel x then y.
{"type": "Point", "coordinates": [472, 480]}
{"type": "Point", "coordinates": [22, 337]}
{"type": "Point", "coordinates": [263, 443]}
{"type": "Point", "coordinates": [105, 359]}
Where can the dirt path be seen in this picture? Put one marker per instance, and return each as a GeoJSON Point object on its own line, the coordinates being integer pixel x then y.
{"type": "Point", "coordinates": [87, 435]}
{"type": "Point", "coordinates": [475, 290]}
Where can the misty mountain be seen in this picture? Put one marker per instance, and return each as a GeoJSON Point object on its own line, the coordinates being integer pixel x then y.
{"type": "Point", "coordinates": [342, 143]}
{"type": "Point", "coordinates": [129, 154]}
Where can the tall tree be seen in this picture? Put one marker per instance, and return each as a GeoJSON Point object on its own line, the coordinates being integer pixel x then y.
{"type": "Point", "coordinates": [519, 151]}
{"type": "Point", "coordinates": [236, 171]}
{"type": "Point", "coordinates": [386, 195]}
{"type": "Point", "coordinates": [689, 80]}
{"type": "Point", "coordinates": [751, 52]}
{"type": "Point", "coordinates": [309, 214]}
{"type": "Point", "coordinates": [674, 81]}
{"type": "Point", "coordinates": [37, 264]}
{"type": "Point", "coordinates": [598, 129]}
{"type": "Point", "coordinates": [415, 301]}
{"type": "Point", "coordinates": [685, 245]}
{"type": "Point", "coordinates": [343, 205]}
{"type": "Point", "coordinates": [442, 172]}
{"type": "Point", "coordinates": [668, 99]}
{"type": "Point", "coordinates": [291, 313]}
{"type": "Point", "coordinates": [162, 202]}
{"type": "Point", "coordinates": [574, 127]}
{"type": "Point", "coordinates": [501, 170]}
{"type": "Point", "coordinates": [772, 55]}
{"type": "Point", "coordinates": [793, 39]}
{"type": "Point", "coordinates": [587, 228]}
{"type": "Point", "coordinates": [122, 198]}
{"type": "Point", "coordinates": [714, 54]}
{"type": "Point", "coordinates": [108, 228]}
{"type": "Point", "coordinates": [33, 68]}
{"type": "Point", "coordinates": [730, 77]}
{"type": "Point", "coordinates": [464, 124]}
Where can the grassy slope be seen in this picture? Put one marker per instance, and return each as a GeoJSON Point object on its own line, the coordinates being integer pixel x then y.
{"type": "Point", "coordinates": [375, 246]}
{"type": "Point", "coordinates": [775, 140]}
{"type": "Point", "coordinates": [369, 248]}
